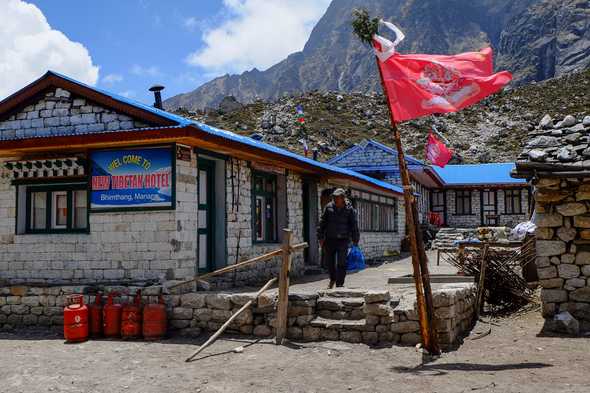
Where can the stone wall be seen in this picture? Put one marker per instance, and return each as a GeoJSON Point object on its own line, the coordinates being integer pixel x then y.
{"type": "Point", "coordinates": [239, 228]}
{"type": "Point", "coordinates": [58, 112]}
{"type": "Point", "coordinates": [348, 315]}
{"type": "Point", "coordinates": [563, 247]}
{"type": "Point", "coordinates": [375, 245]}
{"type": "Point", "coordinates": [123, 245]}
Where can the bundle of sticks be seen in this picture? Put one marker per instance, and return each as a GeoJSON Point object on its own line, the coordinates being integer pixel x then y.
{"type": "Point", "coordinates": [504, 286]}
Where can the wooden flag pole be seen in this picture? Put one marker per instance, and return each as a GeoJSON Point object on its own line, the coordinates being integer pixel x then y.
{"type": "Point", "coordinates": [419, 259]}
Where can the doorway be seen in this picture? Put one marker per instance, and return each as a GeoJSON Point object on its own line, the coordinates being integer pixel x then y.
{"type": "Point", "coordinates": [310, 222]}
{"type": "Point", "coordinates": [206, 216]}
{"type": "Point", "coordinates": [489, 207]}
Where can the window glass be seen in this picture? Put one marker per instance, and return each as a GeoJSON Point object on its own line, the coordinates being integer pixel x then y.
{"type": "Point", "coordinates": [59, 209]}
{"type": "Point", "coordinates": [80, 212]}
{"type": "Point", "coordinates": [264, 209]}
{"type": "Point", "coordinates": [463, 202]}
{"type": "Point", "coordinates": [51, 208]}
{"type": "Point", "coordinates": [38, 210]}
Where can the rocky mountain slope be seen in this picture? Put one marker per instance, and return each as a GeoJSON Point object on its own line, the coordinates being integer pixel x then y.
{"type": "Point", "coordinates": [493, 130]}
{"type": "Point", "coordinates": [535, 39]}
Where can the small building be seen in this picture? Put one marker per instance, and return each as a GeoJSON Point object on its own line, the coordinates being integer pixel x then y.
{"type": "Point", "coordinates": [466, 195]}
{"type": "Point", "coordinates": [97, 187]}
{"type": "Point", "coordinates": [555, 161]}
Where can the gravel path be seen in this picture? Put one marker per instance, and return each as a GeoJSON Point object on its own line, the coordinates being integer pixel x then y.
{"type": "Point", "coordinates": [511, 359]}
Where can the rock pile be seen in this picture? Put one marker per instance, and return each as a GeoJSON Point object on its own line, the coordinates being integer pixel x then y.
{"type": "Point", "coordinates": [562, 142]}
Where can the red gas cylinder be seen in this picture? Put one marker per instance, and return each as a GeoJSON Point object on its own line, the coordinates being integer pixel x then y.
{"type": "Point", "coordinates": [131, 318]}
{"type": "Point", "coordinates": [75, 319]}
{"type": "Point", "coordinates": [111, 317]}
{"type": "Point", "coordinates": [95, 316]}
{"type": "Point", "coordinates": [154, 320]}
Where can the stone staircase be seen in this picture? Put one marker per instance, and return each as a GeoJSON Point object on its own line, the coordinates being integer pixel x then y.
{"type": "Point", "coordinates": [446, 237]}
{"type": "Point", "coordinates": [341, 309]}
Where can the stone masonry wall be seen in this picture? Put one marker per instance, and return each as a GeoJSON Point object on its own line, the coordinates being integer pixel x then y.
{"type": "Point", "coordinates": [563, 247]}
{"type": "Point", "coordinates": [239, 228]}
{"type": "Point", "coordinates": [474, 220]}
{"type": "Point", "coordinates": [349, 315]}
{"type": "Point", "coordinates": [60, 112]}
{"type": "Point", "coordinates": [123, 245]}
{"type": "Point", "coordinates": [376, 244]}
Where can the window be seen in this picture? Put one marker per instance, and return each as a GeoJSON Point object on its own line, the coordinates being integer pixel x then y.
{"type": "Point", "coordinates": [55, 209]}
{"type": "Point", "coordinates": [377, 217]}
{"type": "Point", "coordinates": [463, 202]}
{"type": "Point", "coordinates": [264, 201]}
{"type": "Point", "coordinates": [513, 201]}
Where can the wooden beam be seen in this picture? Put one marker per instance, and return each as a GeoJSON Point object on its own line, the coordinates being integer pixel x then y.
{"type": "Point", "coordinates": [230, 320]}
{"type": "Point", "coordinates": [260, 258]}
{"type": "Point", "coordinates": [283, 301]}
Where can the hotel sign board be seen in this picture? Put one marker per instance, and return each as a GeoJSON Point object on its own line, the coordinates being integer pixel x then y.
{"type": "Point", "coordinates": [131, 179]}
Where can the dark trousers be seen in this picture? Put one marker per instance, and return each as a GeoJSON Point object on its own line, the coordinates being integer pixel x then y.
{"type": "Point", "coordinates": [334, 254]}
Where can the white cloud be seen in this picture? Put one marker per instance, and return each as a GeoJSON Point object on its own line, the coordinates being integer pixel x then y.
{"type": "Point", "coordinates": [257, 33]}
{"type": "Point", "coordinates": [29, 47]}
{"type": "Point", "coordinates": [145, 71]}
{"type": "Point", "coordinates": [190, 23]}
{"type": "Point", "coordinates": [112, 79]}
{"type": "Point", "coordinates": [128, 93]}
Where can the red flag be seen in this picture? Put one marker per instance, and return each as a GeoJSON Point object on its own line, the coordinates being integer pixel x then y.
{"type": "Point", "coordinates": [419, 85]}
{"type": "Point", "coordinates": [436, 151]}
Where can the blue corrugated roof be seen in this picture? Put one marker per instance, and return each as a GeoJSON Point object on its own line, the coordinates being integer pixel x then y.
{"type": "Point", "coordinates": [182, 121]}
{"type": "Point", "coordinates": [274, 149]}
{"type": "Point", "coordinates": [478, 174]}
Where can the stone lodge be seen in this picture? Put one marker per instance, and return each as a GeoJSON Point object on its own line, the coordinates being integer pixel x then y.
{"type": "Point", "coordinates": [99, 188]}
{"type": "Point", "coordinates": [464, 196]}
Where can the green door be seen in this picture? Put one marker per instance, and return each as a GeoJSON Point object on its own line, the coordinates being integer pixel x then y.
{"type": "Point", "coordinates": [205, 254]}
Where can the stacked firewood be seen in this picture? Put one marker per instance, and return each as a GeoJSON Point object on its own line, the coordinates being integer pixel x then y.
{"type": "Point", "coordinates": [504, 285]}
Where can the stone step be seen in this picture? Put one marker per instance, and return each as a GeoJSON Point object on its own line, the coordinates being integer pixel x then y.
{"type": "Point", "coordinates": [339, 303]}
{"type": "Point", "coordinates": [344, 324]}
{"type": "Point", "coordinates": [343, 292]}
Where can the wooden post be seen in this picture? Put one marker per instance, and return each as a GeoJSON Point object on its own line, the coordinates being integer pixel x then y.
{"type": "Point", "coordinates": [283, 302]}
{"type": "Point", "coordinates": [481, 282]}
{"type": "Point", "coordinates": [419, 261]}
{"type": "Point", "coordinates": [227, 323]}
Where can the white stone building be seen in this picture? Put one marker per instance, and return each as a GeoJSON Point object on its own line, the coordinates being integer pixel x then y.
{"type": "Point", "coordinates": [98, 188]}
{"type": "Point", "coordinates": [465, 196]}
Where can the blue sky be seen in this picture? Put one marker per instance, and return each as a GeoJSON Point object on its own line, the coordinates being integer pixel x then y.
{"type": "Point", "coordinates": [126, 46]}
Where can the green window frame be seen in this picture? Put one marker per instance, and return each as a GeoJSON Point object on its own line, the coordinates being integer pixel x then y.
{"type": "Point", "coordinates": [376, 216]}
{"type": "Point", "coordinates": [264, 208]}
{"type": "Point", "coordinates": [463, 203]}
{"type": "Point", "coordinates": [513, 201]}
{"type": "Point", "coordinates": [57, 209]}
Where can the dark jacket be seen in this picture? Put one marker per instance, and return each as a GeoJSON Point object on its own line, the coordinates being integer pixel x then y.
{"type": "Point", "coordinates": [338, 223]}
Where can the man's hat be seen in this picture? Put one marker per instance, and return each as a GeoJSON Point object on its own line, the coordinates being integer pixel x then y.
{"type": "Point", "coordinates": [339, 192]}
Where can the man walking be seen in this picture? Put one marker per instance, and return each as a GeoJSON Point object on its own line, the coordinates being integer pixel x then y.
{"type": "Point", "coordinates": [337, 228]}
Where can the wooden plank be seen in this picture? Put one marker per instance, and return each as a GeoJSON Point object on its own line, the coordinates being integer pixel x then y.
{"type": "Point", "coordinates": [230, 320]}
{"type": "Point", "coordinates": [283, 301]}
{"type": "Point", "coordinates": [260, 258]}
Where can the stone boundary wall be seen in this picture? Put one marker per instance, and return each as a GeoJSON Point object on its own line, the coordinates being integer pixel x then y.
{"type": "Point", "coordinates": [347, 315]}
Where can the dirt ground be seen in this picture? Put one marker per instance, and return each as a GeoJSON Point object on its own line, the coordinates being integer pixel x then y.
{"type": "Point", "coordinates": [511, 359]}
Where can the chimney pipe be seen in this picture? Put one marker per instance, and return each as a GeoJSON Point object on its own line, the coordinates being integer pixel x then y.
{"type": "Point", "coordinates": [157, 95]}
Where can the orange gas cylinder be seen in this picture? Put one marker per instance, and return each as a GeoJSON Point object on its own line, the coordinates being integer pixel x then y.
{"type": "Point", "coordinates": [95, 316]}
{"type": "Point", "coordinates": [75, 319]}
{"type": "Point", "coordinates": [131, 318]}
{"type": "Point", "coordinates": [154, 320]}
{"type": "Point", "coordinates": [111, 317]}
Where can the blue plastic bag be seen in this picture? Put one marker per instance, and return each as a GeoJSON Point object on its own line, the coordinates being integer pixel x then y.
{"type": "Point", "coordinates": [355, 260]}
